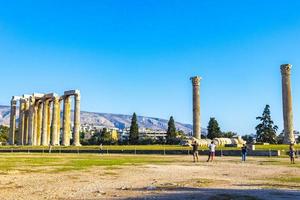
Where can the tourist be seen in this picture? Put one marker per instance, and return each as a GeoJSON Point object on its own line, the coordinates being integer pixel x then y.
{"type": "Point", "coordinates": [292, 153]}
{"type": "Point", "coordinates": [101, 148]}
{"type": "Point", "coordinates": [244, 152]}
{"type": "Point", "coordinates": [195, 151]}
{"type": "Point", "coordinates": [212, 149]}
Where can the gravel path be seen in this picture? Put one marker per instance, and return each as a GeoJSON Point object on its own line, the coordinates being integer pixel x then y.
{"type": "Point", "coordinates": [225, 179]}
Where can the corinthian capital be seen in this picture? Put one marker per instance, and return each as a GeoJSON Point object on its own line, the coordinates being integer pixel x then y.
{"type": "Point", "coordinates": [196, 80]}
{"type": "Point", "coordinates": [286, 69]}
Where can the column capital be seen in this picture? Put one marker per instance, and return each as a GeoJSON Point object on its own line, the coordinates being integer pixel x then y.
{"type": "Point", "coordinates": [286, 69]}
{"type": "Point", "coordinates": [196, 80]}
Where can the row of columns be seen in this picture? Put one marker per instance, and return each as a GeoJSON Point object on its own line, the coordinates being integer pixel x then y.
{"type": "Point", "coordinates": [289, 136]}
{"type": "Point", "coordinates": [39, 125]}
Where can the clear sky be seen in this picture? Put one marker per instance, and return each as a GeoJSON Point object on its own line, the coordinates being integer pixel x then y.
{"type": "Point", "coordinates": [138, 56]}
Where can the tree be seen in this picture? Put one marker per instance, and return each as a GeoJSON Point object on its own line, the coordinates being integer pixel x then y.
{"type": "Point", "coordinates": [280, 138]}
{"type": "Point", "coordinates": [134, 130]}
{"type": "Point", "coordinates": [171, 132]}
{"type": "Point", "coordinates": [105, 136]}
{"type": "Point", "coordinates": [213, 129]}
{"type": "Point", "coordinates": [228, 134]}
{"type": "Point", "coordinates": [95, 139]}
{"type": "Point", "coordinates": [248, 138]}
{"type": "Point", "coordinates": [266, 130]}
{"type": "Point", "coordinates": [4, 134]}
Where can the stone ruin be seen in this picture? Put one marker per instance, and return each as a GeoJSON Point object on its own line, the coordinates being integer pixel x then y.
{"type": "Point", "coordinates": [39, 125]}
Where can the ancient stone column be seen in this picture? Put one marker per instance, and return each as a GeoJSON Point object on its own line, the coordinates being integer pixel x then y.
{"type": "Point", "coordinates": [287, 104]}
{"type": "Point", "coordinates": [58, 123]}
{"type": "Point", "coordinates": [13, 113]}
{"type": "Point", "coordinates": [55, 112]}
{"type": "Point", "coordinates": [31, 113]}
{"type": "Point", "coordinates": [39, 123]}
{"type": "Point", "coordinates": [21, 122]}
{"type": "Point", "coordinates": [35, 124]}
{"type": "Point", "coordinates": [196, 107]}
{"type": "Point", "coordinates": [66, 121]}
{"type": "Point", "coordinates": [49, 122]}
{"type": "Point", "coordinates": [76, 136]}
{"type": "Point", "coordinates": [45, 122]}
{"type": "Point", "coordinates": [26, 122]}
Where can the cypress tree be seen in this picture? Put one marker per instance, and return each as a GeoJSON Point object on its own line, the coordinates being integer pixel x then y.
{"type": "Point", "coordinates": [134, 130]}
{"type": "Point", "coordinates": [171, 133]}
{"type": "Point", "coordinates": [266, 130]}
{"type": "Point", "coordinates": [213, 129]}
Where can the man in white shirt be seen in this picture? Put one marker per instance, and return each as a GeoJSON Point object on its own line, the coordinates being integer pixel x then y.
{"type": "Point", "coordinates": [212, 150]}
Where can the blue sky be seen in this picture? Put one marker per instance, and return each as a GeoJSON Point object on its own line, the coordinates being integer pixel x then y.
{"type": "Point", "coordinates": [128, 56]}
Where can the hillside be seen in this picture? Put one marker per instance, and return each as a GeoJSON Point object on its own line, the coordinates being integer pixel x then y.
{"type": "Point", "coordinates": [111, 120]}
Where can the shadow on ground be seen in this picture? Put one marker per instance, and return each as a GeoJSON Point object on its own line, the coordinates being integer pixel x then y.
{"type": "Point", "coordinates": [219, 194]}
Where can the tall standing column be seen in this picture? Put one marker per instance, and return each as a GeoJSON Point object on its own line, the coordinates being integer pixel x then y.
{"type": "Point", "coordinates": [66, 121]}
{"type": "Point", "coordinates": [287, 104]}
{"type": "Point", "coordinates": [54, 121]}
{"type": "Point", "coordinates": [31, 113]}
{"type": "Point", "coordinates": [76, 136]}
{"type": "Point", "coordinates": [13, 113]}
{"type": "Point", "coordinates": [196, 107]}
{"type": "Point", "coordinates": [35, 124]}
{"type": "Point", "coordinates": [26, 122]}
{"type": "Point", "coordinates": [49, 122]}
{"type": "Point", "coordinates": [21, 123]}
{"type": "Point", "coordinates": [39, 123]}
{"type": "Point", "coordinates": [45, 122]}
{"type": "Point", "coordinates": [58, 123]}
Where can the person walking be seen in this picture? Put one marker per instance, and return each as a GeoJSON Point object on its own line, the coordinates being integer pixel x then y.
{"type": "Point", "coordinates": [244, 152]}
{"type": "Point", "coordinates": [195, 150]}
{"type": "Point", "coordinates": [212, 149]}
{"type": "Point", "coordinates": [292, 153]}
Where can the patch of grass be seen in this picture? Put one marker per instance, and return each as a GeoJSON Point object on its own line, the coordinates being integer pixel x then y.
{"type": "Point", "coordinates": [67, 162]}
{"type": "Point", "coordinates": [288, 179]}
{"type": "Point", "coordinates": [281, 147]}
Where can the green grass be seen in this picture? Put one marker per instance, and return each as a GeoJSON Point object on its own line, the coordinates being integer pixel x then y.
{"type": "Point", "coordinates": [146, 147]}
{"type": "Point", "coordinates": [66, 162]}
{"type": "Point", "coordinates": [288, 179]}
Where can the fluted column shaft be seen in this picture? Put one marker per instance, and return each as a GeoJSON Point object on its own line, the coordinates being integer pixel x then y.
{"type": "Point", "coordinates": [26, 122]}
{"type": "Point", "coordinates": [31, 113]}
{"type": "Point", "coordinates": [54, 133]}
{"type": "Point", "coordinates": [76, 134]}
{"type": "Point", "coordinates": [21, 123]}
{"type": "Point", "coordinates": [49, 122]}
{"type": "Point", "coordinates": [287, 104]}
{"type": "Point", "coordinates": [45, 123]}
{"type": "Point", "coordinates": [35, 124]}
{"type": "Point", "coordinates": [58, 123]}
{"type": "Point", "coordinates": [66, 121]}
{"type": "Point", "coordinates": [196, 107]}
{"type": "Point", "coordinates": [39, 123]}
{"type": "Point", "coordinates": [13, 113]}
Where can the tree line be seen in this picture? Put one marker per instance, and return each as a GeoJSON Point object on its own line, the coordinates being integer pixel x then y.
{"type": "Point", "coordinates": [266, 132]}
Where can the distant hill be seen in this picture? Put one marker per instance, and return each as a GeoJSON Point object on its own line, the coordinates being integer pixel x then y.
{"type": "Point", "coordinates": [111, 120]}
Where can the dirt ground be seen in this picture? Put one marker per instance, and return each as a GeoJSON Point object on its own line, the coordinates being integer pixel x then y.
{"type": "Point", "coordinates": [227, 178]}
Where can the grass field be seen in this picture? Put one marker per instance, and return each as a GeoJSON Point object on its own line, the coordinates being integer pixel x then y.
{"type": "Point", "coordinates": [115, 176]}
{"type": "Point", "coordinates": [150, 147]}
{"type": "Point", "coordinates": [68, 162]}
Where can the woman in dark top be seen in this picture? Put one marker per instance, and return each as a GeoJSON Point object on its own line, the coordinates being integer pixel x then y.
{"type": "Point", "coordinates": [244, 152]}
{"type": "Point", "coordinates": [195, 152]}
{"type": "Point", "coordinates": [292, 153]}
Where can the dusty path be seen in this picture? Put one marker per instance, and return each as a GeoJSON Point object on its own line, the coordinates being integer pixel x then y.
{"type": "Point", "coordinates": [225, 179]}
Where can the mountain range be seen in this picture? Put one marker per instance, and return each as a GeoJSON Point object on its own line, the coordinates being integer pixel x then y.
{"type": "Point", "coordinates": [111, 120]}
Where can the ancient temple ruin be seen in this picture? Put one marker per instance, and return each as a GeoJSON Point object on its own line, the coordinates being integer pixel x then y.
{"type": "Point", "coordinates": [40, 119]}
